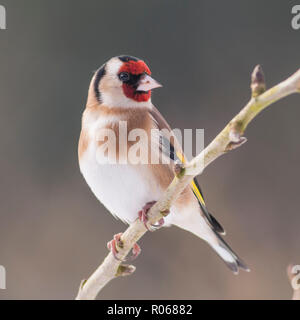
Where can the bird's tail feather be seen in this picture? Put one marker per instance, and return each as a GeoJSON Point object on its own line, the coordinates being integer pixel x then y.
{"type": "Point", "coordinates": [199, 226]}
{"type": "Point", "coordinates": [230, 258]}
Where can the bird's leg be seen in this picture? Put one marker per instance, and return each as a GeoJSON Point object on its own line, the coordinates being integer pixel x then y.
{"type": "Point", "coordinates": [136, 250]}
{"type": "Point", "coordinates": [116, 243]}
{"type": "Point", "coordinates": [143, 216]}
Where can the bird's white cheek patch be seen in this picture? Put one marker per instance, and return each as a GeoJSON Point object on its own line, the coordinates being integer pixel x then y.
{"type": "Point", "coordinates": [117, 99]}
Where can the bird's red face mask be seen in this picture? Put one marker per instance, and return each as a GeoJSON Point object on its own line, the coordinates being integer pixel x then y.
{"type": "Point", "coordinates": [137, 83]}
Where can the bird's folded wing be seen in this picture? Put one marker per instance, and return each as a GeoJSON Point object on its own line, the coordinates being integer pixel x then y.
{"type": "Point", "coordinates": [170, 147]}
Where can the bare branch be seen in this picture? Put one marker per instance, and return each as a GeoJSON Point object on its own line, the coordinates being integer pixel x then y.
{"type": "Point", "coordinates": [231, 137]}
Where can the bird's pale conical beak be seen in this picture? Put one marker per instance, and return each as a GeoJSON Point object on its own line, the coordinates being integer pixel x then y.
{"type": "Point", "coordinates": [147, 83]}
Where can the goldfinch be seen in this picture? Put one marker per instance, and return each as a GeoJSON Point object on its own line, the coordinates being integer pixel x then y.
{"type": "Point", "coordinates": [120, 93]}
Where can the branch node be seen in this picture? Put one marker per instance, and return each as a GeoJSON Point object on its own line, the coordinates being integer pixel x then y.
{"type": "Point", "coordinates": [125, 270]}
{"type": "Point", "coordinates": [82, 283]}
{"type": "Point", "coordinates": [179, 169]}
{"type": "Point", "coordinates": [165, 212]}
{"type": "Point", "coordinates": [235, 144]}
{"type": "Point", "coordinates": [258, 85]}
{"type": "Point", "coordinates": [234, 136]}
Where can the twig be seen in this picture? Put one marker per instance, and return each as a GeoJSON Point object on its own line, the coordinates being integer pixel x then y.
{"type": "Point", "coordinates": [293, 272]}
{"type": "Point", "coordinates": [231, 137]}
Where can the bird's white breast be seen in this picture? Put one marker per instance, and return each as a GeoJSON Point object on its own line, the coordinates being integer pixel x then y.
{"type": "Point", "coordinates": [122, 188]}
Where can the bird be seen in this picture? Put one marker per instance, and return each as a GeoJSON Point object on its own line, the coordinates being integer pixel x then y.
{"type": "Point", "coordinates": [120, 93]}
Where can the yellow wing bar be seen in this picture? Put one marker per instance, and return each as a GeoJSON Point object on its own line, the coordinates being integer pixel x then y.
{"type": "Point", "coordinates": [197, 192]}
{"type": "Point", "coordinates": [192, 183]}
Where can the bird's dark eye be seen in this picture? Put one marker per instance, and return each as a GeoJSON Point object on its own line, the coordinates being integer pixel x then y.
{"type": "Point", "coordinates": [124, 76]}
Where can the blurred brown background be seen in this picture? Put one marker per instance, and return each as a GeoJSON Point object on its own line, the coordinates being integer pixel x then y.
{"type": "Point", "coordinates": [53, 231]}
